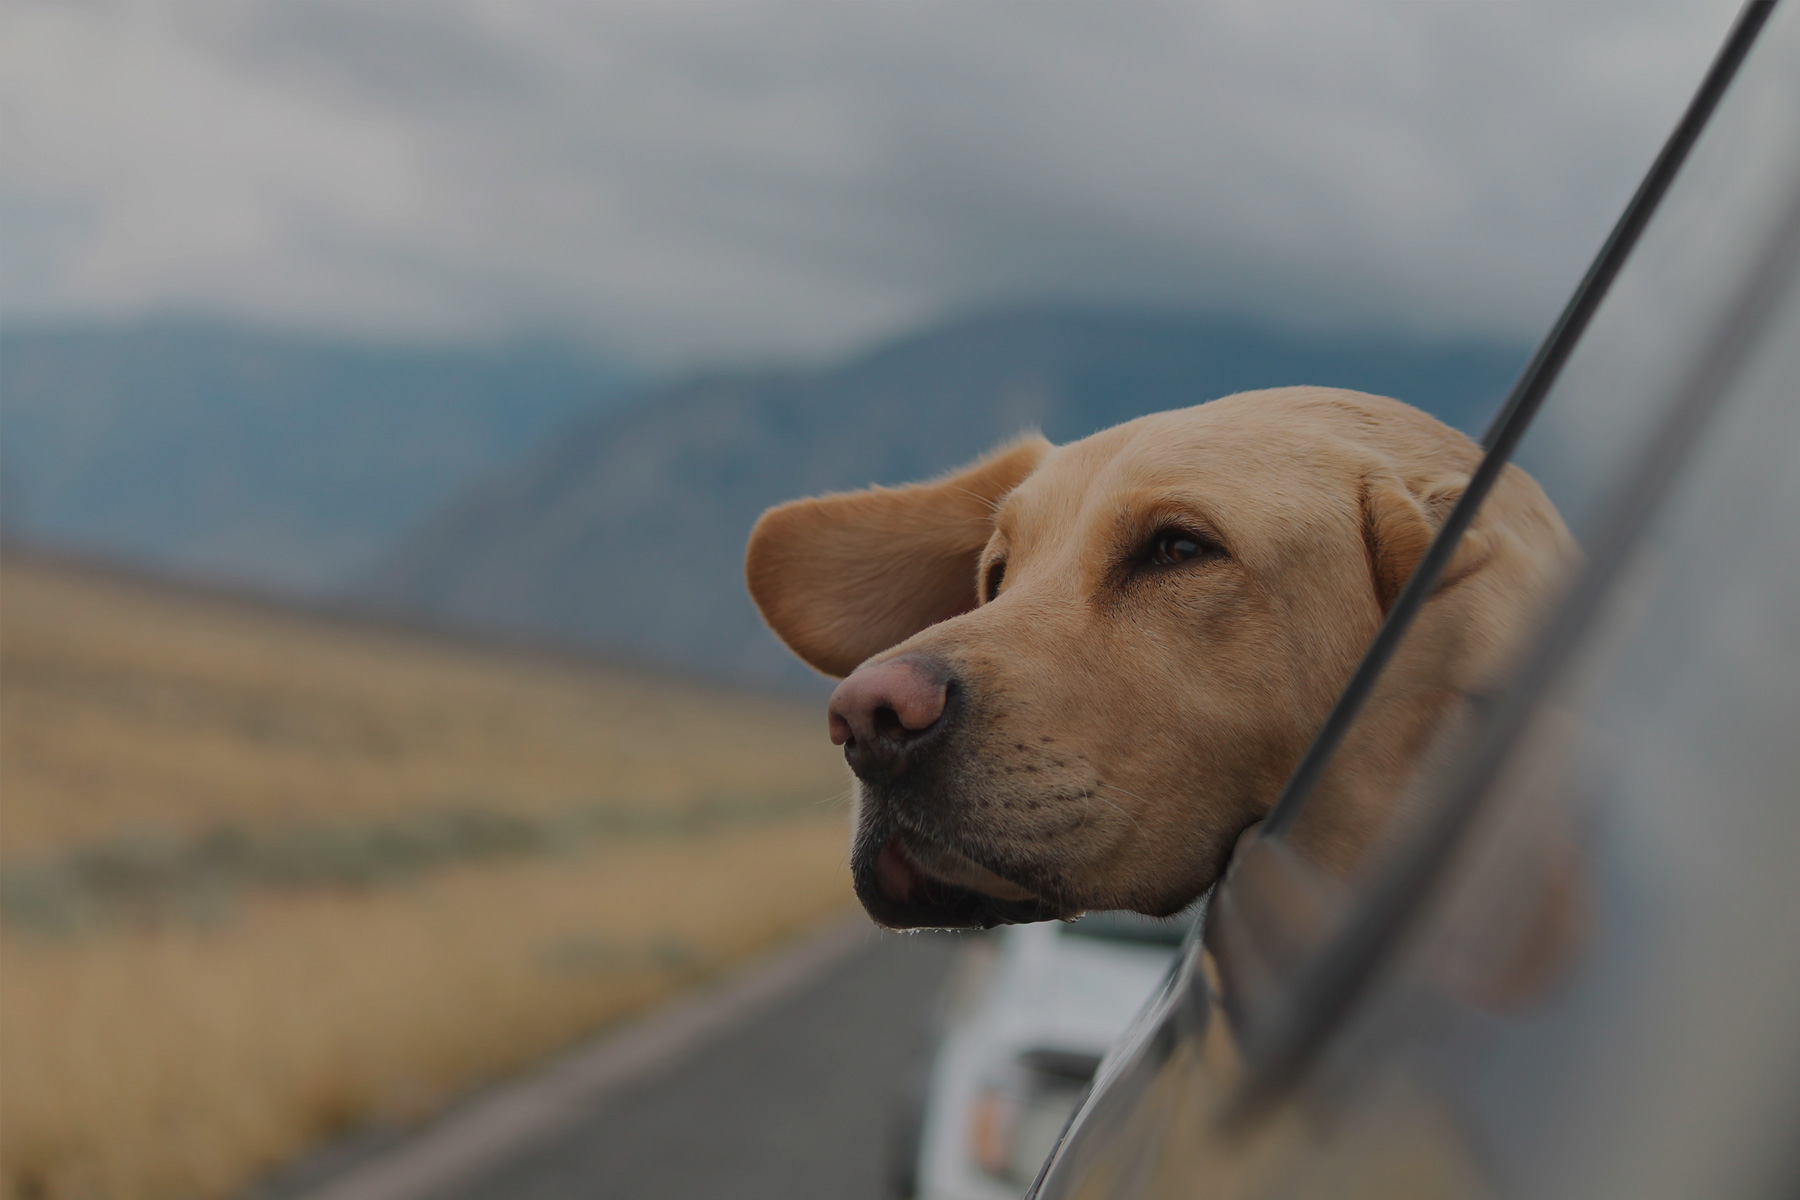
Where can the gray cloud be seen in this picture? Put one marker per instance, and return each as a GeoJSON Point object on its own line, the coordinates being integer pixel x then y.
{"type": "Point", "coordinates": [692, 181]}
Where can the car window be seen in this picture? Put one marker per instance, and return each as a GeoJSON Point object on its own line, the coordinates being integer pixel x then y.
{"type": "Point", "coordinates": [1678, 257]}
{"type": "Point", "coordinates": [1384, 752]}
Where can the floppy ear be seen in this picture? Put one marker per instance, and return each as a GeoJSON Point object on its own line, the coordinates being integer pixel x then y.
{"type": "Point", "coordinates": [1398, 524]}
{"type": "Point", "coordinates": [842, 577]}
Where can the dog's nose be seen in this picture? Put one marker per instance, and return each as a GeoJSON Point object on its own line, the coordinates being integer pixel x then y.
{"type": "Point", "coordinates": [880, 712]}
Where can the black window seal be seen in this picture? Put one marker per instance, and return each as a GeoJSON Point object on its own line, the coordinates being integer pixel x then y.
{"type": "Point", "coordinates": [1508, 427]}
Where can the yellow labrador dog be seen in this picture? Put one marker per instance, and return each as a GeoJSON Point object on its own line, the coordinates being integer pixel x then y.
{"type": "Point", "coordinates": [1073, 675]}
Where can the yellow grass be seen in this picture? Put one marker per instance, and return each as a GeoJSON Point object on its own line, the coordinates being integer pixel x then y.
{"type": "Point", "coordinates": [130, 707]}
{"type": "Point", "coordinates": [180, 1057]}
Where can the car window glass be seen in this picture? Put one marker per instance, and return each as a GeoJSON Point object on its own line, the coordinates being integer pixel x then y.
{"type": "Point", "coordinates": [1593, 421]}
{"type": "Point", "coordinates": [1607, 992]}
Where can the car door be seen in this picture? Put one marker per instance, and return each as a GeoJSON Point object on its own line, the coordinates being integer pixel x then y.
{"type": "Point", "coordinates": [1574, 973]}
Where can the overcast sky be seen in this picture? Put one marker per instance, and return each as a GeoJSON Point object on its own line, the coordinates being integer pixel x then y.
{"type": "Point", "coordinates": [680, 183]}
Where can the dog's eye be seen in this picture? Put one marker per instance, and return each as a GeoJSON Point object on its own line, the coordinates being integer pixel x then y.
{"type": "Point", "coordinates": [995, 574]}
{"type": "Point", "coordinates": [1173, 546]}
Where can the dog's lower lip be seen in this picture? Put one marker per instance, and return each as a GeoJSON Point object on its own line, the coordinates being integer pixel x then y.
{"type": "Point", "coordinates": [900, 892]}
{"type": "Point", "coordinates": [937, 863]}
{"type": "Point", "coordinates": [895, 872]}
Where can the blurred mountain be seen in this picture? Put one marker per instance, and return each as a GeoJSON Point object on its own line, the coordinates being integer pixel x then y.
{"type": "Point", "coordinates": [627, 529]}
{"type": "Point", "coordinates": [280, 461]}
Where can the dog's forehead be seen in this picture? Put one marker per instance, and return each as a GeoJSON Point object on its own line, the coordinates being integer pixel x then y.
{"type": "Point", "coordinates": [1203, 452]}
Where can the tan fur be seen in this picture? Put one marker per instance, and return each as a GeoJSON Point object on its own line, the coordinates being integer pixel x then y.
{"type": "Point", "coordinates": [1122, 724]}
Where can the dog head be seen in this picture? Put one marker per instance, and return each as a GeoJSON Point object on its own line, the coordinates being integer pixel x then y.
{"type": "Point", "coordinates": [1073, 675]}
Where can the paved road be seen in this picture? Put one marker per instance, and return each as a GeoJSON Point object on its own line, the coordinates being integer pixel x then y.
{"type": "Point", "coordinates": [792, 1105]}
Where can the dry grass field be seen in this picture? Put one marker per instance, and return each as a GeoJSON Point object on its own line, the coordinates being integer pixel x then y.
{"type": "Point", "coordinates": [266, 877]}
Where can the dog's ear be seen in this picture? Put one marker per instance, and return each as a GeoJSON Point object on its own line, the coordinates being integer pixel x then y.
{"type": "Point", "coordinates": [842, 577]}
{"type": "Point", "coordinates": [1398, 524]}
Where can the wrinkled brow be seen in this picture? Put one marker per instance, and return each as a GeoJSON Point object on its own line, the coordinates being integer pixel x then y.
{"type": "Point", "coordinates": [1135, 517]}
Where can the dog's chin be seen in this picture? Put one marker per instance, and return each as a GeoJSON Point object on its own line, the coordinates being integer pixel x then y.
{"type": "Point", "coordinates": [909, 884]}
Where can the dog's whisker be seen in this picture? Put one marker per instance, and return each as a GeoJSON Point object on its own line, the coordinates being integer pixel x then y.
{"type": "Point", "coordinates": [1119, 808]}
{"type": "Point", "coordinates": [834, 801]}
{"type": "Point", "coordinates": [992, 504]}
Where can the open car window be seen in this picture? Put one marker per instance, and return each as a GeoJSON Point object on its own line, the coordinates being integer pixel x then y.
{"type": "Point", "coordinates": [1577, 423]}
{"type": "Point", "coordinates": [1578, 416]}
{"type": "Point", "coordinates": [1513, 996]}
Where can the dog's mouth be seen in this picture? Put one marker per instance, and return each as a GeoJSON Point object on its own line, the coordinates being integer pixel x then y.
{"type": "Point", "coordinates": [907, 883]}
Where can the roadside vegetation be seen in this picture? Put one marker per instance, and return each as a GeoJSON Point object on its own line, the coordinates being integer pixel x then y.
{"type": "Point", "coordinates": [266, 878]}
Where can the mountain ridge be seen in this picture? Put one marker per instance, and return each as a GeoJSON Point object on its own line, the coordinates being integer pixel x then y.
{"type": "Point", "coordinates": [626, 528]}
{"type": "Point", "coordinates": [285, 460]}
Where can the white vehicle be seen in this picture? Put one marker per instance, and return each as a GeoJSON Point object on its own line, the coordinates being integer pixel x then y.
{"type": "Point", "coordinates": [1028, 1017]}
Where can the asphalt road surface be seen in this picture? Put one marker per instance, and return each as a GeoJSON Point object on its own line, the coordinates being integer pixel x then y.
{"type": "Point", "coordinates": [794, 1104]}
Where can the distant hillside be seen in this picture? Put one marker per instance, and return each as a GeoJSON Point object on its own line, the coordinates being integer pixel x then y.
{"type": "Point", "coordinates": [256, 457]}
{"type": "Point", "coordinates": [627, 529]}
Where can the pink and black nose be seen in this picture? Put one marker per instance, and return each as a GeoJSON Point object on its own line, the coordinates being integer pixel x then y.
{"type": "Point", "coordinates": [884, 715]}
